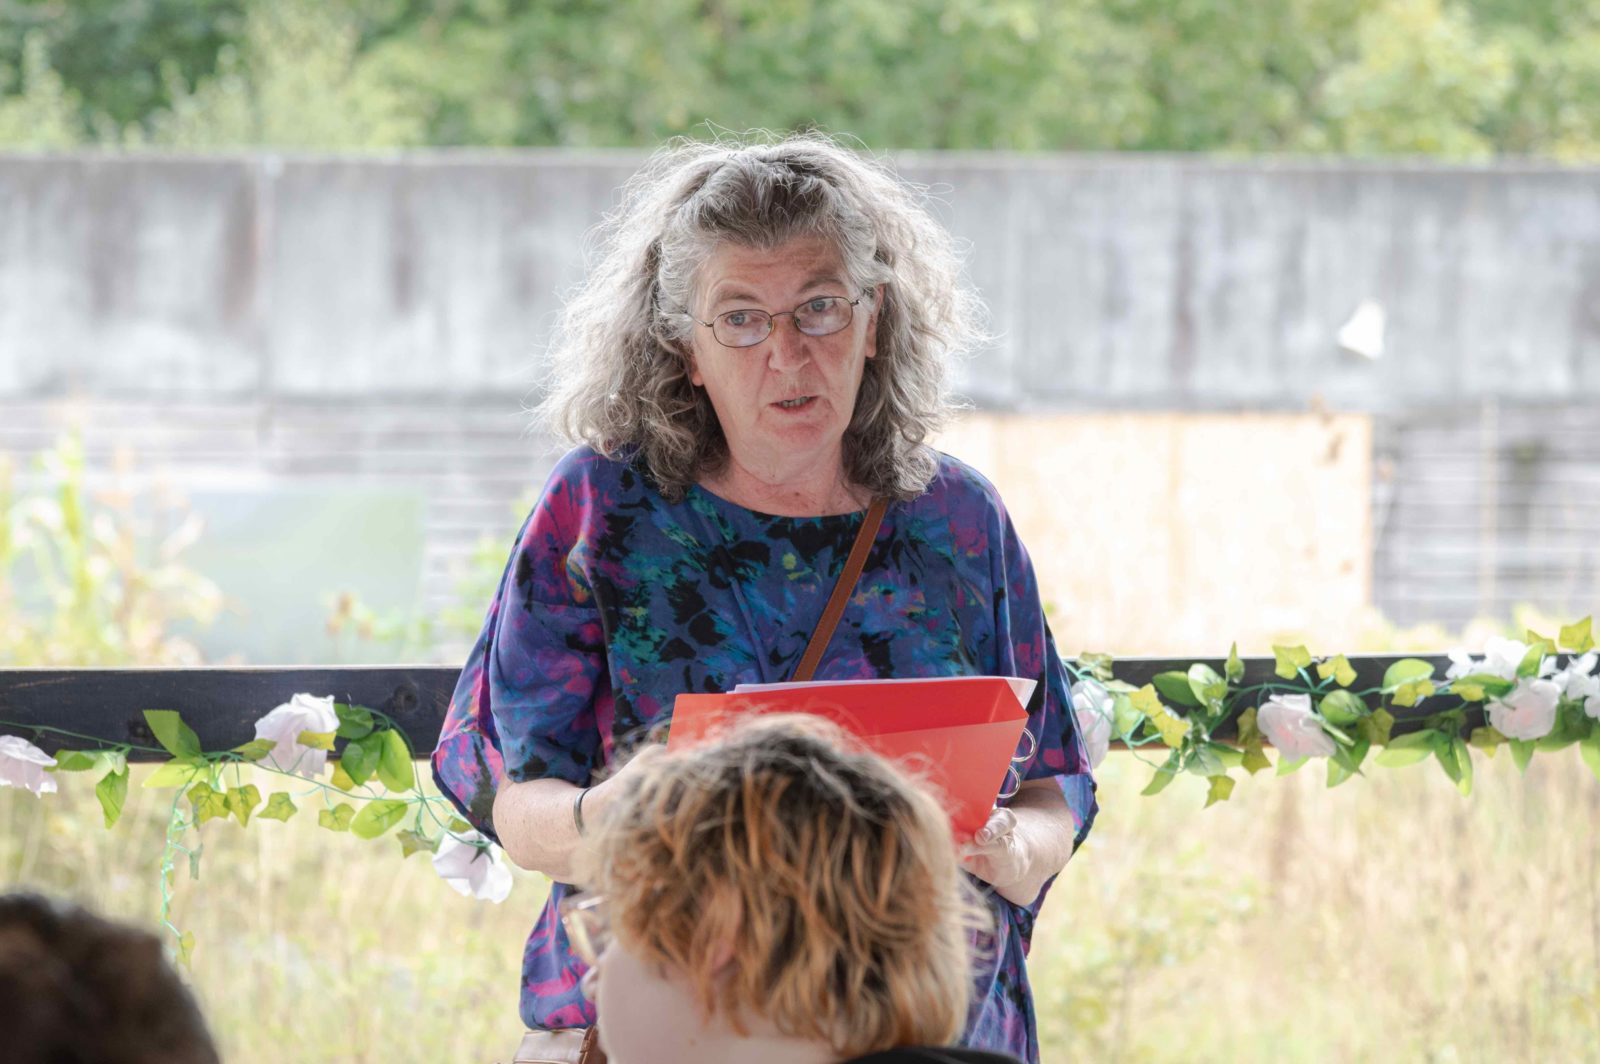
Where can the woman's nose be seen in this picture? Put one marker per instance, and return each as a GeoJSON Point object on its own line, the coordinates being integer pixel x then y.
{"type": "Point", "coordinates": [787, 347]}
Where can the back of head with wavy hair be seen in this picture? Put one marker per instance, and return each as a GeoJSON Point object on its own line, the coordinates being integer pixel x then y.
{"type": "Point", "coordinates": [831, 873]}
{"type": "Point", "coordinates": [619, 364]}
{"type": "Point", "coordinates": [79, 989]}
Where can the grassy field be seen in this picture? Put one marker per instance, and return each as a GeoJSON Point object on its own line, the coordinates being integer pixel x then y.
{"type": "Point", "coordinates": [1389, 919]}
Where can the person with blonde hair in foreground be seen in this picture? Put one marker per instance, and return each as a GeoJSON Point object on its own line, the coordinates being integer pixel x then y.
{"type": "Point", "coordinates": [779, 896]}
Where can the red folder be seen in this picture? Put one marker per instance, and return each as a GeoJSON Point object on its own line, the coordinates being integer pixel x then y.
{"type": "Point", "coordinates": [958, 733]}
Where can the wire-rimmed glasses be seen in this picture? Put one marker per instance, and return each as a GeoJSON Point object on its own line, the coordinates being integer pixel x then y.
{"type": "Point", "coordinates": [822, 316]}
{"type": "Point", "coordinates": [588, 930]}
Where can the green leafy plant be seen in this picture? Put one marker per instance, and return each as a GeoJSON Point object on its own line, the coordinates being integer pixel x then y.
{"type": "Point", "coordinates": [1515, 696]}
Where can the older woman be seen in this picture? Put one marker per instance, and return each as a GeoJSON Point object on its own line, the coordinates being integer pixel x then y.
{"type": "Point", "coordinates": [779, 897]}
{"type": "Point", "coordinates": [758, 358]}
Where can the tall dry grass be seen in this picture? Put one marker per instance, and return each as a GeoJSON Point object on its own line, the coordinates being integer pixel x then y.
{"type": "Point", "coordinates": [1389, 919]}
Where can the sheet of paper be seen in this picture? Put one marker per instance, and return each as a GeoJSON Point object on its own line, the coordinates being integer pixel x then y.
{"type": "Point", "coordinates": [1023, 689]}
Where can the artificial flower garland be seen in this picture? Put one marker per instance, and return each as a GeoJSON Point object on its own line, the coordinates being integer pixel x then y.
{"type": "Point", "coordinates": [1531, 700]}
{"type": "Point", "coordinates": [1538, 694]}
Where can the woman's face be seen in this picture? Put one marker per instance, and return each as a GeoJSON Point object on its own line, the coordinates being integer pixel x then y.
{"type": "Point", "coordinates": [754, 389]}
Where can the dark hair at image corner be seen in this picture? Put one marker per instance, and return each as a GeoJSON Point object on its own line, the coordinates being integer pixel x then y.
{"type": "Point", "coordinates": [76, 988]}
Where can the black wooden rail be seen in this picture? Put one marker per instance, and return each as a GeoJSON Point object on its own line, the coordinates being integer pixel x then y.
{"type": "Point", "coordinates": [222, 704]}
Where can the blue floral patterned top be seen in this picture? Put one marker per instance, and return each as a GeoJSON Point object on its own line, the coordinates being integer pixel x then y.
{"type": "Point", "coordinates": [616, 600]}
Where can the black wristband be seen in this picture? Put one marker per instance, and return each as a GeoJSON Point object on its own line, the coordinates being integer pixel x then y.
{"type": "Point", "coordinates": [577, 811]}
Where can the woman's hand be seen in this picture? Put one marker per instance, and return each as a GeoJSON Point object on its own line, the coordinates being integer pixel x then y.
{"type": "Point", "coordinates": [1024, 844]}
{"type": "Point", "coordinates": [999, 856]}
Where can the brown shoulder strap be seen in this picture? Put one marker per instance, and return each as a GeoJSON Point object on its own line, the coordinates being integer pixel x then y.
{"type": "Point", "coordinates": [841, 592]}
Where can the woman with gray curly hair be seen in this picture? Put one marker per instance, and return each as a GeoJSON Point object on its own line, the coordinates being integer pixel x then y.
{"type": "Point", "coordinates": [752, 373]}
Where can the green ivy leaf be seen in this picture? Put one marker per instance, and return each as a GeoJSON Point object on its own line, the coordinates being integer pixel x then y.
{"type": "Point", "coordinates": [377, 818]}
{"type": "Point", "coordinates": [1486, 739]}
{"type": "Point", "coordinates": [1124, 718]}
{"type": "Point", "coordinates": [1404, 671]}
{"type": "Point", "coordinates": [1578, 638]}
{"type": "Point", "coordinates": [1589, 750]}
{"type": "Point", "coordinates": [360, 758]}
{"type": "Point", "coordinates": [1445, 753]}
{"type": "Point", "coordinates": [171, 732]}
{"type": "Point", "coordinates": [412, 842]}
{"type": "Point", "coordinates": [185, 948]}
{"type": "Point", "coordinates": [1338, 773]}
{"type": "Point", "coordinates": [1163, 777]}
{"type": "Point", "coordinates": [1207, 686]}
{"type": "Point", "coordinates": [1339, 668]}
{"type": "Point", "coordinates": [242, 801]}
{"type": "Point", "coordinates": [279, 807]}
{"type": "Point", "coordinates": [458, 826]}
{"type": "Point", "coordinates": [1204, 762]}
{"type": "Point", "coordinates": [1234, 669]}
{"type": "Point", "coordinates": [112, 790]}
{"type": "Point", "coordinates": [1097, 665]}
{"type": "Point", "coordinates": [77, 760]}
{"type": "Point", "coordinates": [1350, 757]}
{"type": "Point", "coordinates": [355, 722]}
{"type": "Point", "coordinates": [1542, 643]}
{"type": "Point", "coordinates": [1255, 759]}
{"type": "Point", "coordinates": [316, 740]}
{"type": "Point", "coordinates": [1342, 707]}
{"type": "Point", "coordinates": [1464, 760]}
{"type": "Point", "coordinates": [1408, 749]}
{"type": "Point", "coordinates": [209, 804]}
{"type": "Point", "coordinates": [1521, 753]}
{"type": "Point", "coordinates": [394, 765]}
{"type": "Point", "coordinates": [1495, 686]}
{"type": "Point", "coordinates": [1290, 660]}
{"type": "Point", "coordinates": [179, 772]}
{"type": "Point", "coordinates": [1289, 765]}
{"type": "Point", "coordinates": [1175, 686]}
{"type": "Point", "coordinates": [1375, 729]}
{"type": "Point", "coordinates": [1534, 657]}
{"type": "Point", "coordinates": [255, 749]}
{"type": "Point", "coordinates": [341, 778]}
{"type": "Point", "coordinates": [338, 818]}
{"type": "Point", "coordinates": [1220, 791]}
{"type": "Point", "coordinates": [1413, 691]}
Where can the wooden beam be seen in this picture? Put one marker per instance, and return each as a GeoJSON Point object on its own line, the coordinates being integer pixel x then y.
{"type": "Point", "coordinates": [223, 704]}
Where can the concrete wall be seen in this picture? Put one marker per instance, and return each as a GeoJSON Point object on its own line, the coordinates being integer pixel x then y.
{"type": "Point", "coordinates": [1115, 281]}
{"type": "Point", "coordinates": [270, 333]}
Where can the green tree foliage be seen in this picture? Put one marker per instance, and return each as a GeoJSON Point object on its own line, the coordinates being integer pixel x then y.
{"type": "Point", "coordinates": [1451, 78]}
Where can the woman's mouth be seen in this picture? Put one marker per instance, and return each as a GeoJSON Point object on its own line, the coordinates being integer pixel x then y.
{"type": "Point", "coordinates": [794, 404]}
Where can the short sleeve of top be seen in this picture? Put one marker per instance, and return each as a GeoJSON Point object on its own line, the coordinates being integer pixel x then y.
{"type": "Point", "coordinates": [616, 599]}
{"type": "Point", "coordinates": [525, 706]}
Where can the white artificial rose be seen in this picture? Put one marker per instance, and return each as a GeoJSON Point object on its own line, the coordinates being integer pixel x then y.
{"type": "Point", "coordinates": [23, 765]}
{"type": "Point", "coordinates": [302, 713]}
{"type": "Point", "coordinates": [1579, 684]}
{"type": "Point", "coordinates": [1091, 705]}
{"type": "Point", "coordinates": [1289, 725]}
{"type": "Point", "coordinates": [1501, 657]}
{"type": "Point", "coordinates": [1528, 712]}
{"type": "Point", "coordinates": [473, 867]}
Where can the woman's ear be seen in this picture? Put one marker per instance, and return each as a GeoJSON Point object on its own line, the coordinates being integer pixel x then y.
{"type": "Point", "coordinates": [872, 320]}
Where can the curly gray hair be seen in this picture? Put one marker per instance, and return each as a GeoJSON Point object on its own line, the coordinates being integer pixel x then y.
{"type": "Point", "coordinates": [619, 363]}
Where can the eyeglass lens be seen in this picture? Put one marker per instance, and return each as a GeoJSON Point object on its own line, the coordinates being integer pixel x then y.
{"type": "Point", "coordinates": [816, 317]}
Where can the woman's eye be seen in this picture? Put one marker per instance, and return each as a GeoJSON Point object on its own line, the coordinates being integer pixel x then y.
{"type": "Point", "coordinates": [817, 306]}
{"type": "Point", "coordinates": [737, 318]}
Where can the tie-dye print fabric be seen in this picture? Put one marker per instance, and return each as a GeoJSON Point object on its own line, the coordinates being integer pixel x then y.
{"type": "Point", "coordinates": [615, 601]}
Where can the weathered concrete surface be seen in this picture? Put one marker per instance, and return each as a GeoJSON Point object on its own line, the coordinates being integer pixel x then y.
{"type": "Point", "coordinates": [1115, 281]}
